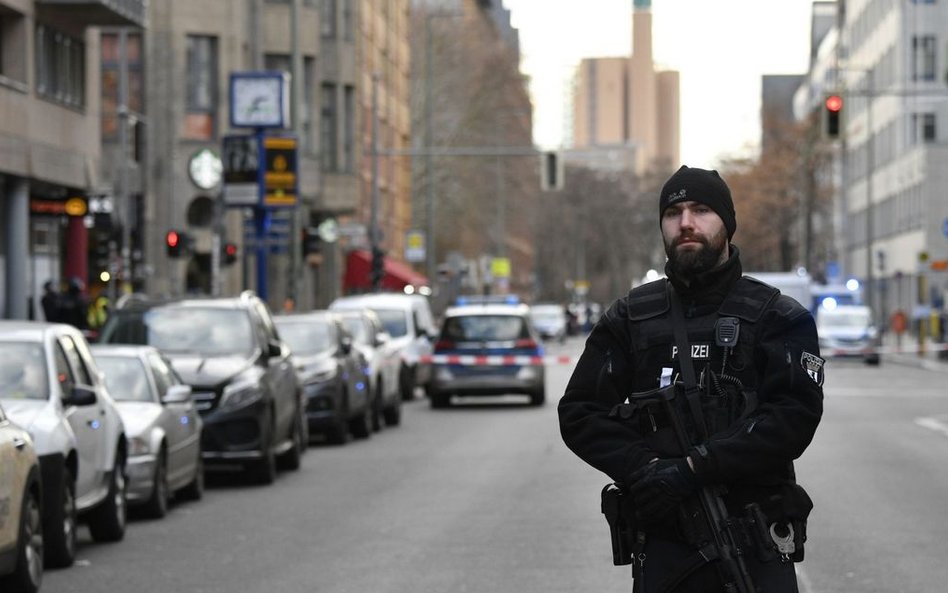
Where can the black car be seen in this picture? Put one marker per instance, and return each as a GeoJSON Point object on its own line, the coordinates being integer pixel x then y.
{"type": "Point", "coordinates": [333, 373]}
{"type": "Point", "coordinates": [241, 376]}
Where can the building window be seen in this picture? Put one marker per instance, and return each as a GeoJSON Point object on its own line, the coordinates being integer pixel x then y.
{"type": "Point", "coordinates": [328, 18]}
{"type": "Point", "coordinates": [923, 128]}
{"type": "Point", "coordinates": [327, 123]}
{"type": "Point", "coordinates": [308, 142]}
{"type": "Point", "coordinates": [12, 40]}
{"type": "Point", "coordinates": [200, 116]}
{"type": "Point", "coordinates": [111, 69]}
{"type": "Point", "coordinates": [923, 57]}
{"type": "Point", "coordinates": [348, 130]}
{"type": "Point", "coordinates": [348, 20]}
{"type": "Point", "coordinates": [60, 67]}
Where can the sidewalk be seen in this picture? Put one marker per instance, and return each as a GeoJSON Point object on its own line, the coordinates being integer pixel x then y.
{"type": "Point", "coordinates": [934, 357]}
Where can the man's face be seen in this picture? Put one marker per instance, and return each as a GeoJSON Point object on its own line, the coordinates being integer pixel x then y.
{"type": "Point", "coordinates": [695, 238]}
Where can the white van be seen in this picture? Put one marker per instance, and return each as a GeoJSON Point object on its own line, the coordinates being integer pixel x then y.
{"type": "Point", "coordinates": [408, 320]}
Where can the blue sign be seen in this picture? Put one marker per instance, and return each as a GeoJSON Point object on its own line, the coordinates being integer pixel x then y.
{"type": "Point", "coordinates": [944, 227]}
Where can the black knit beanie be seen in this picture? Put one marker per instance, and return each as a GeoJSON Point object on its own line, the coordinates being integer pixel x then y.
{"type": "Point", "coordinates": [690, 184]}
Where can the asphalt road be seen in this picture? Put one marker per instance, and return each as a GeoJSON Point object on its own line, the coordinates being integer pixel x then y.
{"type": "Point", "coordinates": [486, 498]}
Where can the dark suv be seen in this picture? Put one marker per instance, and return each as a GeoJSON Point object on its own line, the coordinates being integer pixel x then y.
{"type": "Point", "coordinates": [241, 376]}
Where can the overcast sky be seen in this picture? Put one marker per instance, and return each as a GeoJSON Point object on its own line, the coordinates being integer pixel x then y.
{"type": "Point", "coordinates": [721, 48]}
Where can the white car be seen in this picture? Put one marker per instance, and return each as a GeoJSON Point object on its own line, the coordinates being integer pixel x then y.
{"type": "Point", "coordinates": [21, 523]}
{"type": "Point", "coordinates": [50, 385]}
{"type": "Point", "coordinates": [848, 331]}
{"type": "Point", "coordinates": [384, 362]}
{"type": "Point", "coordinates": [162, 425]}
{"type": "Point", "coordinates": [407, 319]}
{"type": "Point", "coordinates": [550, 321]}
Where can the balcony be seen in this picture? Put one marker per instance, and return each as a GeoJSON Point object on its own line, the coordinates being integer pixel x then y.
{"type": "Point", "coordinates": [99, 13]}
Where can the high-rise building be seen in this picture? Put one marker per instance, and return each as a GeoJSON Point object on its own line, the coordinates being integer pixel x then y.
{"type": "Point", "coordinates": [626, 107]}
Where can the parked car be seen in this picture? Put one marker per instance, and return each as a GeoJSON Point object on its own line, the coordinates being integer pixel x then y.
{"type": "Point", "coordinates": [487, 350]}
{"type": "Point", "coordinates": [408, 320]}
{"type": "Point", "coordinates": [162, 426]}
{"type": "Point", "coordinates": [847, 331]}
{"type": "Point", "coordinates": [21, 519]}
{"type": "Point", "coordinates": [242, 380]}
{"type": "Point", "coordinates": [51, 386]}
{"type": "Point", "coordinates": [384, 363]}
{"type": "Point", "coordinates": [550, 320]}
{"type": "Point", "coordinates": [332, 374]}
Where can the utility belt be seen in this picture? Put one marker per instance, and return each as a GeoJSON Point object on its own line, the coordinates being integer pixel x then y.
{"type": "Point", "coordinates": [770, 531]}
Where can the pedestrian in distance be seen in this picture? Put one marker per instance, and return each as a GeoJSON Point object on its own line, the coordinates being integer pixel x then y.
{"type": "Point", "coordinates": [695, 394]}
{"type": "Point", "coordinates": [74, 305]}
{"type": "Point", "coordinates": [51, 302]}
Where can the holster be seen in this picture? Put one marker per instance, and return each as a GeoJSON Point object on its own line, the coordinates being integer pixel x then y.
{"type": "Point", "coordinates": [617, 507]}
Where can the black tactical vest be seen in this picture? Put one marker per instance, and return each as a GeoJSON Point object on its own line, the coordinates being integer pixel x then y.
{"type": "Point", "coordinates": [728, 374]}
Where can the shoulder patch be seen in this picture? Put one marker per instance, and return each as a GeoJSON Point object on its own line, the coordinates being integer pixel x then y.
{"type": "Point", "coordinates": [813, 365]}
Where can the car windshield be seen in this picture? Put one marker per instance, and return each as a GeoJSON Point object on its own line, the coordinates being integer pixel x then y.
{"type": "Point", "coordinates": [207, 331]}
{"type": "Point", "coordinates": [125, 378]}
{"type": "Point", "coordinates": [308, 337]}
{"type": "Point", "coordinates": [394, 321]}
{"type": "Point", "coordinates": [23, 371]}
{"type": "Point", "coordinates": [854, 320]}
{"type": "Point", "coordinates": [470, 328]}
{"type": "Point", "coordinates": [356, 327]}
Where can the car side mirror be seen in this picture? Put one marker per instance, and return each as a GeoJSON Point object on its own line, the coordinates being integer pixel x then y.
{"type": "Point", "coordinates": [274, 349]}
{"type": "Point", "coordinates": [177, 394]}
{"type": "Point", "coordinates": [382, 338]}
{"type": "Point", "coordinates": [80, 396]}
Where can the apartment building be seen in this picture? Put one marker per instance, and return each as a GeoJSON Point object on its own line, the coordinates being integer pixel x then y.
{"type": "Point", "coordinates": [50, 152]}
{"type": "Point", "coordinates": [887, 61]}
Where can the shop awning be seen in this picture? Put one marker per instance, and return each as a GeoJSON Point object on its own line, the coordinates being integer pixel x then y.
{"type": "Point", "coordinates": [397, 274]}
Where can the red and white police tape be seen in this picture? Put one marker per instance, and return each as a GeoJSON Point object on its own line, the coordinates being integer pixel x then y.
{"type": "Point", "coordinates": [496, 360]}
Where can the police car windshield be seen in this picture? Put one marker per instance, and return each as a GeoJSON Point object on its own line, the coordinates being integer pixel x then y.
{"type": "Point", "coordinates": [23, 371]}
{"type": "Point", "coordinates": [394, 321]}
{"type": "Point", "coordinates": [854, 319]}
{"type": "Point", "coordinates": [475, 328]}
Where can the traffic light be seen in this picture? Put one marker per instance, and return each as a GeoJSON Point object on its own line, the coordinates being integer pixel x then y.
{"type": "Point", "coordinates": [551, 171]}
{"type": "Point", "coordinates": [177, 243]}
{"type": "Point", "coordinates": [228, 254]}
{"type": "Point", "coordinates": [833, 109]}
{"type": "Point", "coordinates": [173, 244]}
{"type": "Point", "coordinates": [378, 268]}
{"type": "Point", "coordinates": [310, 241]}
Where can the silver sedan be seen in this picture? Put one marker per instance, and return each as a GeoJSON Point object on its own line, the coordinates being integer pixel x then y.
{"type": "Point", "coordinates": [161, 422]}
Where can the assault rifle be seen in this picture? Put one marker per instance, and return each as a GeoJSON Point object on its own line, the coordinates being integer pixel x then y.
{"type": "Point", "coordinates": [723, 530]}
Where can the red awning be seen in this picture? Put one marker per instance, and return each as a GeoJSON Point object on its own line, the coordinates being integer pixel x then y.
{"type": "Point", "coordinates": [397, 274]}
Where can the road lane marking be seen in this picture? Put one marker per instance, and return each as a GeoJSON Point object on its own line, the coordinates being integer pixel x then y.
{"type": "Point", "coordinates": [933, 424]}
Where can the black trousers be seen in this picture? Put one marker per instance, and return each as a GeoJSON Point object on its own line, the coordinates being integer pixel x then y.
{"type": "Point", "coordinates": [663, 558]}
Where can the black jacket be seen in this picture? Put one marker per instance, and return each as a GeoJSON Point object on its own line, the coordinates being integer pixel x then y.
{"type": "Point", "coordinates": [757, 450]}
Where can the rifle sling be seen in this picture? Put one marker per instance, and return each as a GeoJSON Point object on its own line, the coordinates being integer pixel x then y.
{"type": "Point", "coordinates": [692, 392]}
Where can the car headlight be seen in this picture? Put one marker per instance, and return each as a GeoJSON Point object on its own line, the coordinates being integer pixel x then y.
{"type": "Point", "coordinates": [138, 446]}
{"type": "Point", "coordinates": [241, 393]}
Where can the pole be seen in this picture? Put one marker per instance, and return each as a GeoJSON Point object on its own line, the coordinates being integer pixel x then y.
{"type": "Point", "coordinates": [429, 177]}
{"type": "Point", "coordinates": [296, 107]}
{"type": "Point", "coordinates": [870, 164]}
{"type": "Point", "coordinates": [374, 232]}
{"type": "Point", "coordinates": [122, 194]}
{"type": "Point", "coordinates": [261, 223]}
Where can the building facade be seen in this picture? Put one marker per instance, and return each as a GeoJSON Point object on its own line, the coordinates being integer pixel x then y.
{"type": "Point", "coordinates": [50, 159]}
{"type": "Point", "coordinates": [886, 60]}
{"type": "Point", "coordinates": [625, 103]}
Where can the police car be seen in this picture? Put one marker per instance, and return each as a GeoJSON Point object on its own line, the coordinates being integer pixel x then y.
{"type": "Point", "coordinates": [487, 349]}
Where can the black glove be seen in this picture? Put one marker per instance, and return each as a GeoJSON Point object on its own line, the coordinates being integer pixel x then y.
{"type": "Point", "coordinates": [660, 486]}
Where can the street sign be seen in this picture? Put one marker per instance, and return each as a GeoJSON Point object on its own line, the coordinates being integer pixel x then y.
{"type": "Point", "coordinates": [414, 246]}
{"type": "Point", "coordinates": [944, 227]}
{"type": "Point", "coordinates": [240, 156]}
{"type": "Point", "coordinates": [279, 174]}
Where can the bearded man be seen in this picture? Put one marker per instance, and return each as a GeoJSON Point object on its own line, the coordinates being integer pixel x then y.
{"type": "Point", "coordinates": [759, 399]}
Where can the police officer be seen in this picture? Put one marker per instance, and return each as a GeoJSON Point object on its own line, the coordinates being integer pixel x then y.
{"type": "Point", "coordinates": [760, 402]}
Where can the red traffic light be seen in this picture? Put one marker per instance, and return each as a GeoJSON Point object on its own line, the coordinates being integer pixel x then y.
{"type": "Point", "coordinates": [834, 103]}
{"type": "Point", "coordinates": [172, 238]}
{"type": "Point", "coordinates": [230, 249]}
